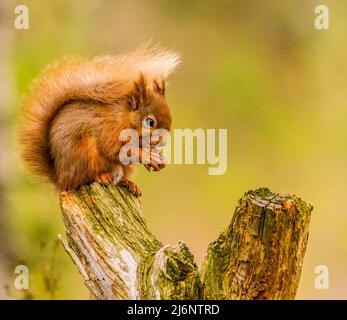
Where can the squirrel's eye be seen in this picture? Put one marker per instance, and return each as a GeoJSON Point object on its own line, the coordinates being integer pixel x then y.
{"type": "Point", "coordinates": [150, 122]}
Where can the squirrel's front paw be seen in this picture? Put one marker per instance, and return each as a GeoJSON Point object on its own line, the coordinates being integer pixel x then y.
{"type": "Point", "coordinates": [105, 178]}
{"type": "Point", "coordinates": [131, 186]}
{"type": "Point", "coordinates": [156, 160]}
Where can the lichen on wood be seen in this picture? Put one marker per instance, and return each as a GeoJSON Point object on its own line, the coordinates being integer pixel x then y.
{"type": "Point", "coordinates": [117, 255]}
{"type": "Point", "coordinates": [258, 256]}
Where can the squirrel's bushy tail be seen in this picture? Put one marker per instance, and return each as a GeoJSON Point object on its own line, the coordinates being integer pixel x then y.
{"type": "Point", "coordinates": [102, 79]}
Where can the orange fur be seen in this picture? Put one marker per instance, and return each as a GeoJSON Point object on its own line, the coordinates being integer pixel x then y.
{"type": "Point", "coordinates": [78, 107]}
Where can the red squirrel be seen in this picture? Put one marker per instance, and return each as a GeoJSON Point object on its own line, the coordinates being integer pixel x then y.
{"type": "Point", "coordinates": [77, 108]}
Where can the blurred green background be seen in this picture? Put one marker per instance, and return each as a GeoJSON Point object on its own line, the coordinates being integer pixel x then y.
{"type": "Point", "coordinates": [258, 68]}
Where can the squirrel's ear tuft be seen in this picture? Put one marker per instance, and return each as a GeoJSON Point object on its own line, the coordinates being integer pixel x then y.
{"type": "Point", "coordinates": [138, 94]}
{"type": "Point", "coordinates": [159, 86]}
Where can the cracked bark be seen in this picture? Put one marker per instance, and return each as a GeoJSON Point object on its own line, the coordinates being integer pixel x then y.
{"type": "Point", "coordinates": [258, 256]}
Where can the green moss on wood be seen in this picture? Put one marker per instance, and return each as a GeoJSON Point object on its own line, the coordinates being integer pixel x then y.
{"type": "Point", "coordinates": [258, 256]}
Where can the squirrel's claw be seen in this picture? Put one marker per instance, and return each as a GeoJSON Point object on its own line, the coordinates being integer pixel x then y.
{"type": "Point", "coordinates": [131, 186]}
{"type": "Point", "coordinates": [105, 178]}
{"type": "Point", "coordinates": [156, 159]}
{"type": "Point", "coordinates": [155, 166]}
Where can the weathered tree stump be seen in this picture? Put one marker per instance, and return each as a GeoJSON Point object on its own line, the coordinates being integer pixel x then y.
{"type": "Point", "coordinates": [258, 256]}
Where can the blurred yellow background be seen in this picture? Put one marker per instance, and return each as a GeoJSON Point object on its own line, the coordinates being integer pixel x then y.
{"type": "Point", "coordinates": [258, 68]}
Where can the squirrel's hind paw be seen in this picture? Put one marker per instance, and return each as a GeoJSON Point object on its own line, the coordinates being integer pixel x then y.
{"type": "Point", "coordinates": [105, 178]}
{"type": "Point", "coordinates": [131, 186]}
